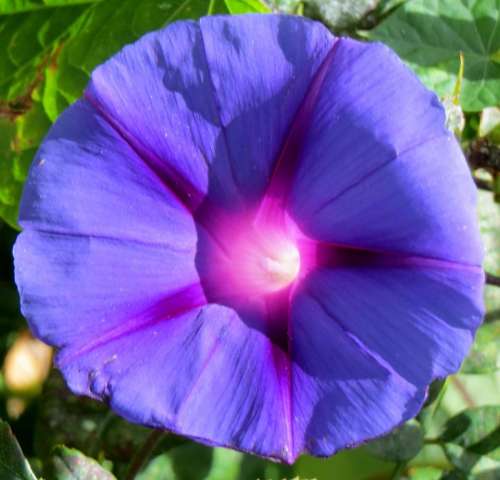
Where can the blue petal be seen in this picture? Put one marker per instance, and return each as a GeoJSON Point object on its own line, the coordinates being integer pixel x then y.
{"type": "Point", "coordinates": [209, 104]}
{"type": "Point", "coordinates": [378, 169]}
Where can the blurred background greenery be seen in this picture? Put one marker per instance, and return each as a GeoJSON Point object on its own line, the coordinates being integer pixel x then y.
{"type": "Point", "coordinates": [48, 49]}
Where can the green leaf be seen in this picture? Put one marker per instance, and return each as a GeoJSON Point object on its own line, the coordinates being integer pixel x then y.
{"type": "Point", "coordinates": [193, 461]}
{"type": "Point", "coordinates": [70, 464]}
{"type": "Point", "coordinates": [477, 430]}
{"type": "Point", "coordinates": [85, 424]}
{"type": "Point", "coordinates": [469, 462]}
{"type": "Point", "coordinates": [425, 473]}
{"type": "Point", "coordinates": [13, 465]}
{"type": "Point", "coordinates": [246, 6]}
{"type": "Point", "coordinates": [400, 445]}
{"type": "Point", "coordinates": [436, 390]}
{"type": "Point", "coordinates": [31, 36]}
{"type": "Point", "coordinates": [429, 35]}
{"type": "Point", "coordinates": [484, 356]}
{"type": "Point", "coordinates": [339, 14]}
{"type": "Point", "coordinates": [18, 141]}
{"type": "Point", "coordinates": [51, 49]}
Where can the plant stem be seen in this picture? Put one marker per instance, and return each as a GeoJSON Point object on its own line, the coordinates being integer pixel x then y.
{"type": "Point", "coordinates": [398, 470]}
{"type": "Point", "coordinates": [469, 401]}
{"type": "Point", "coordinates": [492, 279]}
{"type": "Point", "coordinates": [95, 440]}
{"type": "Point", "coordinates": [143, 455]}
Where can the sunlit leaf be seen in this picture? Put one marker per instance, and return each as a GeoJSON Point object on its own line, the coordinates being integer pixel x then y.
{"type": "Point", "coordinates": [430, 35]}
{"type": "Point", "coordinates": [51, 49]}
{"type": "Point", "coordinates": [246, 6]}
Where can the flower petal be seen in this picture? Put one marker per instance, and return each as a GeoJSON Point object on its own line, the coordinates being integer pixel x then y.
{"type": "Point", "coordinates": [77, 288]}
{"type": "Point", "coordinates": [185, 106]}
{"type": "Point", "coordinates": [342, 394]}
{"type": "Point", "coordinates": [267, 68]}
{"type": "Point", "coordinates": [378, 169]}
{"type": "Point", "coordinates": [86, 180]}
{"type": "Point", "coordinates": [205, 374]}
{"type": "Point", "coordinates": [419, 319]}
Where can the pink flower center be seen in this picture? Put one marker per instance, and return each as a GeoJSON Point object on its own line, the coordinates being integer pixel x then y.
{"type": "Point", "coordinates": [265, 260]}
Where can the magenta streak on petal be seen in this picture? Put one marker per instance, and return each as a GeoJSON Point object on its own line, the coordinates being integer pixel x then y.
{"type": "Point", "coordinates": [282, 176]}
{"type": "Point", "coordinates": [337, 256]}
{"type": "Point", "coordinates": [187, 194]}
{"type": "Point", "coordinates": [278, 313]}
{"type": "Point", "coordinates": [174, 305]}
{"type": "Point", "coordinates": [271, 215]}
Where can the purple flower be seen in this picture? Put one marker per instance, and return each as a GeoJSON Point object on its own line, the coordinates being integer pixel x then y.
{"type": "Point", "coordinates": [254, 234]}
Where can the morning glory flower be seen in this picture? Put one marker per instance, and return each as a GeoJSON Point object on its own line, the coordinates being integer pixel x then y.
{"type": "Point", "coordinates": [254, 234]}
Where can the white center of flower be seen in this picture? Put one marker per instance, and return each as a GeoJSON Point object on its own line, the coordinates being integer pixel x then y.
{"type": "Point", "coordinates": [280, 267]}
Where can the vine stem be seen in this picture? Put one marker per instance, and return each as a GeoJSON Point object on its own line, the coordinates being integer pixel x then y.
{"type": "Point", "coordinates": [468, 400]}
{"type": "Point", "coordinates": [492, 279]}
{"type": "Point", "coordinates": [94, 440]}
{"type": "Point", "coordinates": [144, 453]}
{"type": "Point", "coordinates": [398, 470]}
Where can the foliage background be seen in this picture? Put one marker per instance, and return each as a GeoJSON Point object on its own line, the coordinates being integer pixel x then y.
{"type": "Point", "coordinates": [48, 49]}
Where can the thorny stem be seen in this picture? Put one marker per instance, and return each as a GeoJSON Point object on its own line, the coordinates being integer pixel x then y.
{"type": "Point", "coordinates": [142, 456]}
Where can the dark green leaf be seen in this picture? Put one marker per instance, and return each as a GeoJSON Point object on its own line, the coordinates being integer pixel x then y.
{"type": "Point", "coordinates": [70, 464]}
{"type": "Point", "coordinates": [85, 424]}
{"type": "Point", "coordinates": [18, 141]}
{"type": "Point", "coordinates": [436, 389]}
{"type": "Point", "coordinates": [466, 461]}
{"type": "Point", "coordinates": [400, 445]}
{"type": "Point", "coordinates": [31, 33]}
{"type": "Point", "coordinates": [485, 352]}
{"type": "Point", "coordinates": [430, 35]}
{"type": "Point", "coordinates": [51, 49]}
{"type": "Point", "coordinates": [246, 6]}
{"type": "Point", "coordinates": [13, 465]}
{"type": "Point", "coordinates": [477, 430]}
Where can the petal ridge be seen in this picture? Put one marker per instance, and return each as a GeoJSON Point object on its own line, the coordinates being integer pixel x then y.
{"type": "Point", "coordinates": [377, 168]}
{"type": "Point", "coordinates": [176, 304]}
{"type": "Point", "coordinates": [187, 194]}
